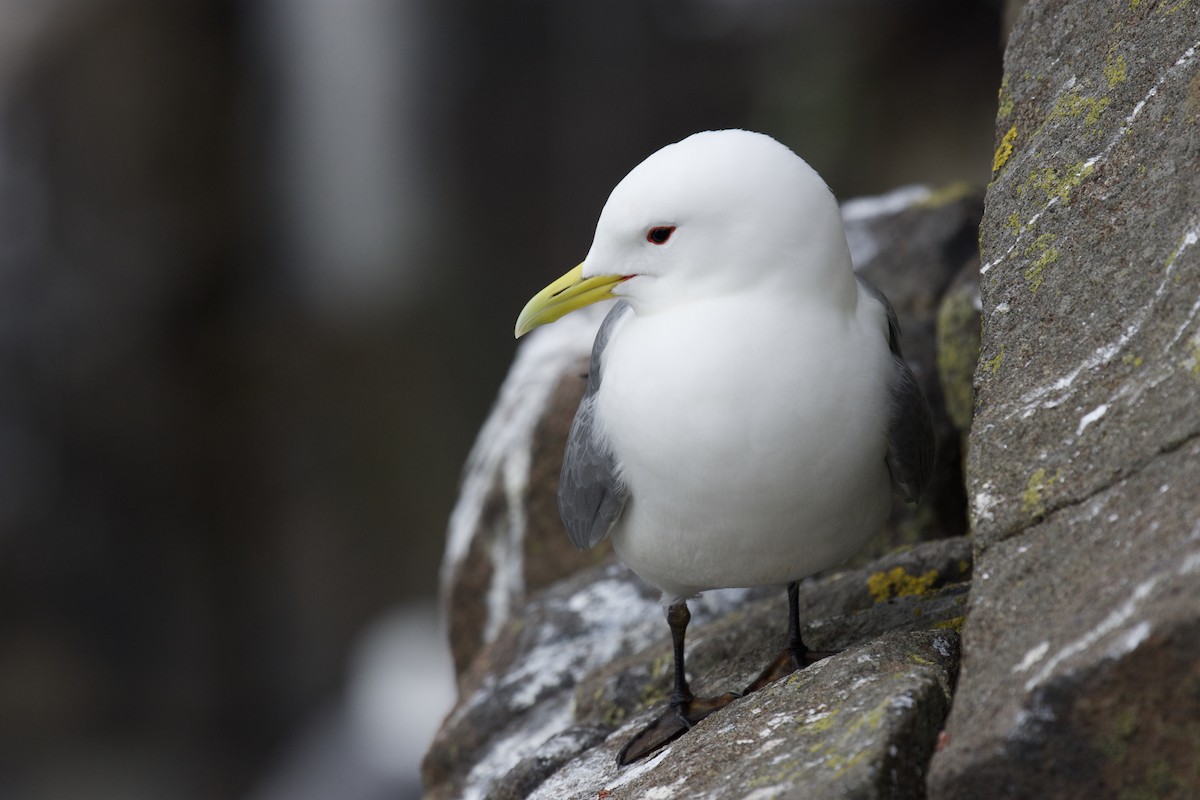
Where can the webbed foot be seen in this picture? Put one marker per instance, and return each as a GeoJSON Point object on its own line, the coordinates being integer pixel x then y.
{"type": "Point", "coordinates": [677, 720]}
{"type": "Point", "coordinates": [784, 664]}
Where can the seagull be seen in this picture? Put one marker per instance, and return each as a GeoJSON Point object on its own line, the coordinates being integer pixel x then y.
{"type": "Point", "coordinates": [748, 413]}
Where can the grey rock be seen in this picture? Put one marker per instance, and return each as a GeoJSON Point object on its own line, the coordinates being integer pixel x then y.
{"type": "Point", "coordinates": [1091, 352]}
{"type": "Point", "coordinates": [860, 724]}
{"type": "Point", "coordinates": [1080, 671]}
{"type": "Point", "coordinates": [549, 702]}
{"type": "Point", "coordinates": [556, 751]}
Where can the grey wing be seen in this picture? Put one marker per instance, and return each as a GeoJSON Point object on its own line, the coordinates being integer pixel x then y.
{"type": "Point", "coordinates": [591, 496]}
{"type": "Point", "coordinates": [911, 439]}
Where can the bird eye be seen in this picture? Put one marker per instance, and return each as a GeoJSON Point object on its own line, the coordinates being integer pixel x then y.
{"type": "Point", "coordinates": [660, 234]}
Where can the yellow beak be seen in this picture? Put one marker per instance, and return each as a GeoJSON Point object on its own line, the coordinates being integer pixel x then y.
{"type": "Point", "coordinates": [569, 293]}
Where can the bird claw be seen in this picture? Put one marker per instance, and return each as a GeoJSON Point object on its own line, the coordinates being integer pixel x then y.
{"type": "Point", "coordinates": [677, 720]}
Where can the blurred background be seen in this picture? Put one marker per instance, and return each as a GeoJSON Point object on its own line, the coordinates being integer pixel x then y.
{"type": "Point", "coordinates": [259, 264]}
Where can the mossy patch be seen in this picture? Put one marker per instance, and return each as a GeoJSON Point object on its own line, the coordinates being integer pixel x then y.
{"type": "Point", "coordinates": [1168, 7]}
{"type": "Point", "coordinates": [1033, 498]}
{"type": "Point", "coordinates": [1005, 100]}
{"type": "Point", "coordinates": [1043, 247]}
{"type": "Point", "coordinates": [1191, 361]}
{"type": "Point", "coordinates": [992, 365]}
{"type": "Point", "coordinates": [954, 624]}
{"type": "Point", "coordinates": [612, 715]}
{"type": "Point", "coordinates": [1053, 182]}
{"type": "Point", "coordinates": [1116, 71]}
{"type": "Point", "coordinates": [1005, 150]}
{"type": "Point", "coordinates": [898, 582]}
{"type": "Point", "coordinates": [958, 353]}
{"type": "Point", "coordinates": [958, 343]}
{"type": "Point", "coordinates": [1073, 105]}
{"type": "Point", "coordinates": [820, 724]}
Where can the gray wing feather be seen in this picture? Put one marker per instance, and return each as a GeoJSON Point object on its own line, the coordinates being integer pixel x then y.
{"type": "Point", "coordinates": [910, 427]}
{"type": "Point", "coordinates": [591, 496]}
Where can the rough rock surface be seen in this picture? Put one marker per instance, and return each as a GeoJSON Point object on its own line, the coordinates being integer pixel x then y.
{"type": "Point", "coordinates": [546, 706]}
{"type": "Point", "coordinates": [1084, 457]}
{"type": "Point", "coordinates": [506, 540]}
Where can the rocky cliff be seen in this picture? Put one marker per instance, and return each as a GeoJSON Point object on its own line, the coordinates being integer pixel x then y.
{"type": "Point", "coordinates": [1080, 653]}
{"type": "Point", "coordinates": [1081, 675]}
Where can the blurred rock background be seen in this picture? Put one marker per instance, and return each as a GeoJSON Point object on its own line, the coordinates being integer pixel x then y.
{"type": "Point", "coordinates": [259, 263]}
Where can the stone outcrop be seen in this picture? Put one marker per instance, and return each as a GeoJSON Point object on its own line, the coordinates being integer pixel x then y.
{"type": "Point", "coordinates": [547, 705]}
{"type": "Point", "coordinates": [1081, 676]}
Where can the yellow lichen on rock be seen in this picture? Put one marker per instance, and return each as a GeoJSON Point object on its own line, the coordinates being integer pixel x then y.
{"type": "Point", "coordinates": [1047, 254]}
{"type": "Point", "coordinates": [992, 365]}
{"type": "Point", "coordinates": [1053, 183]}
{"type": "Point", "coordinates": [897, 582]}
{"type": "Point", "coordinates": [1005, 150]}
{"type": "Point", "coordinates": [1116, 70]}
{"type": "Point", "coordinates": [1005, 99]}
{"type": "Point", "coordinates": [1032, 500]}
{"type": "Point", "coordinates": [1191, 362]}
{"type": "Point", "coordinates": [1073, 104]}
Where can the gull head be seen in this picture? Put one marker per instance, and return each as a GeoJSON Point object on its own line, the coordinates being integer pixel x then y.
{"type": "Point", "coordinates": [718, 213]}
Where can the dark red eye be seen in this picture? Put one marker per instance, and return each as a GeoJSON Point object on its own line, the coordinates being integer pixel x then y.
{"type": "Point", "coordinates": [660, 234]}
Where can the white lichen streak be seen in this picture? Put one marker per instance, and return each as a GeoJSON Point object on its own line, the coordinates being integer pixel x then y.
{"type": "Point", "coordinates": [1163, 368]}
{"type": "Point", "coordinates": [770, 792]}
{"type": "Point", "coordinates": [819, 713]}
{"type": "Point", "coordinates": [508, 750]}
{"type": "Point", "coordinates": [1090, 417]}
{"type": "Point", "coordinates": [502, 453]}
{"type": "Point", "coordinates": [1115, 620]}
{"type": "Point", "coordinates": [1035, 654]}
{"type": "Point", "coordinates": [665, 792]}
{"type": "Point", "coordinates": [1189, 238]}
{"type": "Point", "coordinates": [1190, 564]}
{"type": "Point", "coordinates": [983, 502]}
{"type": "Point", "coordinates": [1129, 393]}
{"type": "Point", "coordinates": [639, 768]}
{"type": "Point", "coordinates": [601, 606]}
{"type": "Point", "coordinates": [942, 645]}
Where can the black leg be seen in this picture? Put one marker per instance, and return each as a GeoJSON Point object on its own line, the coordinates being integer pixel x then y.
{"type": "Point", "coordinates": [794, 655]}
{"type": "Point", "coordinates": [678, 617]}
{"type": "Point", "coordinates": [684, 710]}
{"type": "Point", "coordinates": [794, 642]}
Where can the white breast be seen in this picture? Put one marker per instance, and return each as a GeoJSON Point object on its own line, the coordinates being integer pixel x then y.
{"type": "Point", "coordinates": [752, 433]}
